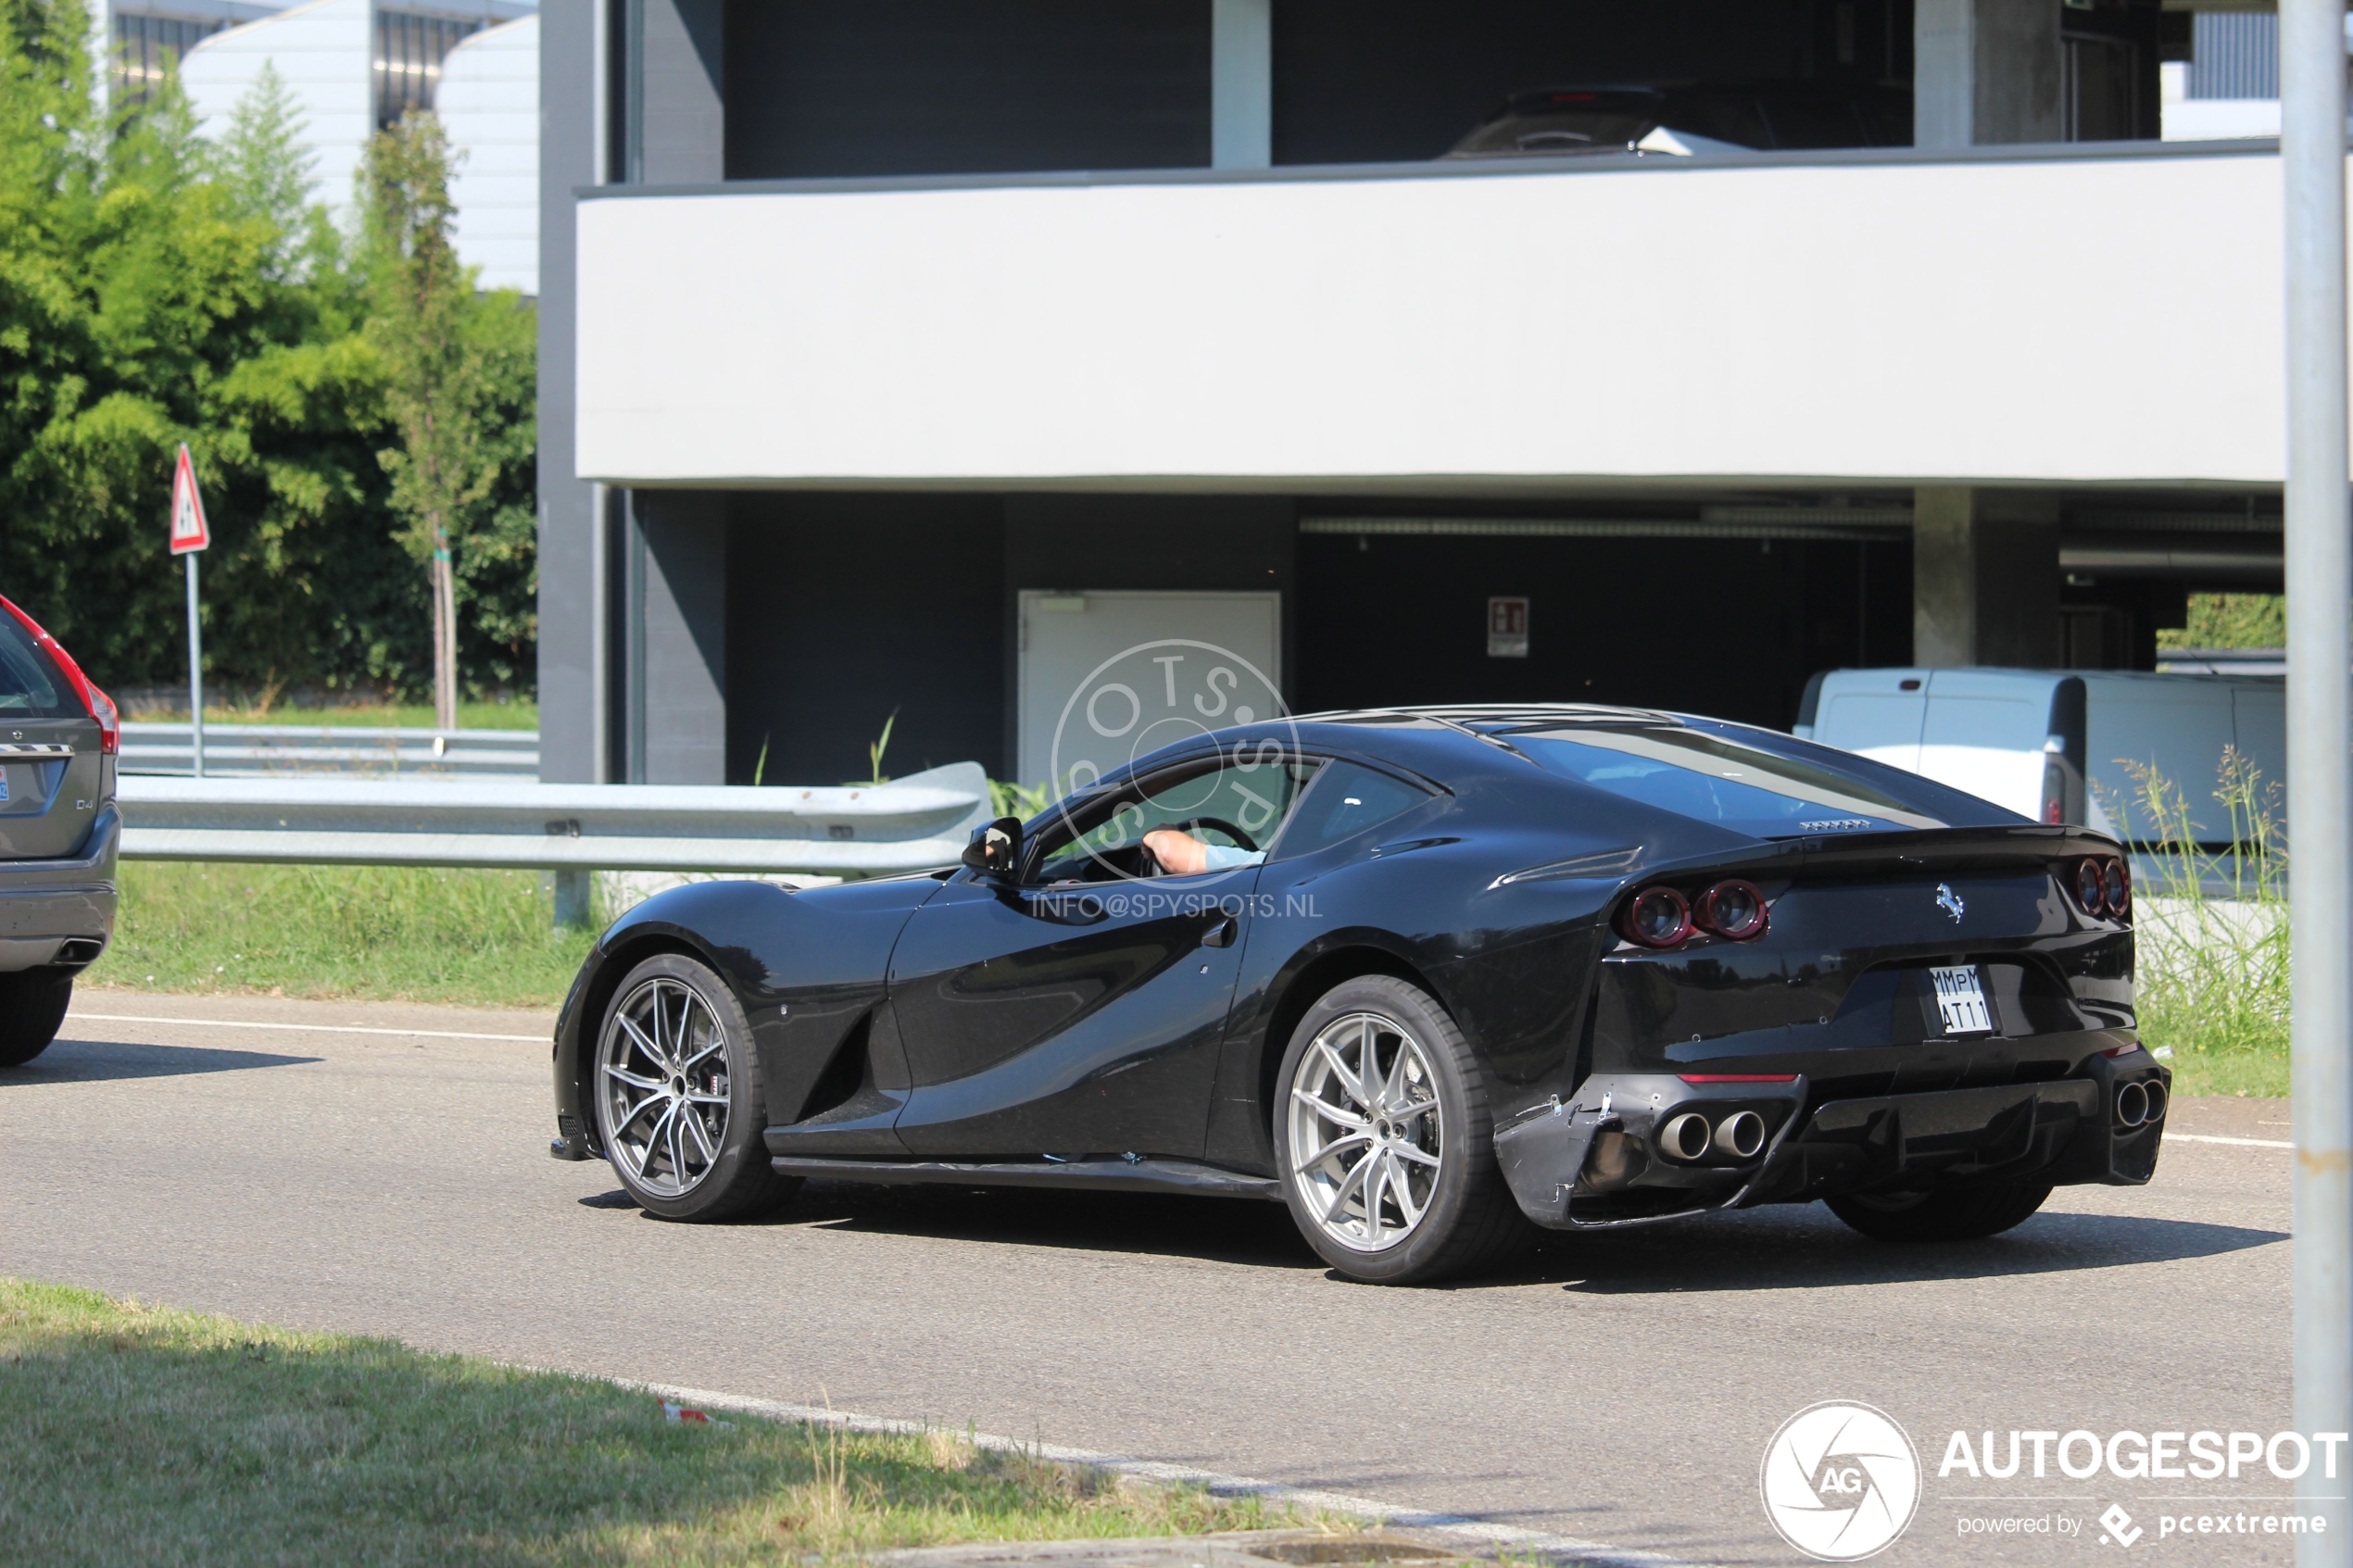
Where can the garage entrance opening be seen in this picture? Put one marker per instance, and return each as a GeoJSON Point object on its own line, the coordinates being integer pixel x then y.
{"type": "Point", "coordinates": [1066, 636]}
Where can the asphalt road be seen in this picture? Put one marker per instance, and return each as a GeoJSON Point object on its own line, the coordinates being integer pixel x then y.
{"type": "Point", "coordinates": [1621, 1388]}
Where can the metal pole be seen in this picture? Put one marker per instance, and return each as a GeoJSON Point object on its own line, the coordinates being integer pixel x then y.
{"type": "Point", "coordinates": [196, 670]}
{"type": "Point", "coordinates": [2320, 760]}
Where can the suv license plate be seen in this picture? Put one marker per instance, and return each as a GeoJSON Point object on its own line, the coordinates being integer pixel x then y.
{"type": "Point", "coordinates": [1960, 1000]}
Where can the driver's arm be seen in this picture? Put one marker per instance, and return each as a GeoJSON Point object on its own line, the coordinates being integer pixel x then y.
{"type": "Point", "coordinates": [1181, 854]}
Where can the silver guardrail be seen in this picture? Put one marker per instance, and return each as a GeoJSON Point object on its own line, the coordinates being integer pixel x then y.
{"type": "Point", "coordinates": [248, 751]}
{"type": "Point", "coordinates": [913, 823]}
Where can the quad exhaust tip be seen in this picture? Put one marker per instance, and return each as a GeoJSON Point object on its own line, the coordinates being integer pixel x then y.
{"type": "Point", "coordinates": [1740, 1135]}
{"type": "Point", "coordinates": [1684, 1137]}
{"type": "Point", "coordinates": [2131, 1104]}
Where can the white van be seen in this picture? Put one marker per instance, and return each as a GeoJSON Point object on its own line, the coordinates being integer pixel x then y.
{"type": "Point", "coordinates": [2052, 744]}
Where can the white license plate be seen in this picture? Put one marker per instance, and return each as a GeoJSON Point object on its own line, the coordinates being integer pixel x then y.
{"type": "Point", "coordinates": [1960, 1000]}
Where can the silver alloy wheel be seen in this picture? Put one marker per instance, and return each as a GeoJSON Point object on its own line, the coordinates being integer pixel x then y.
{"type": "Point", "coordinates": [661, 1078]}
{"type": "Point", "coordinates": [1368, 1136]}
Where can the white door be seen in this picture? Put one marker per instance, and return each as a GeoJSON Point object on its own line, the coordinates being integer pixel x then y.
{"type": "Point", "coordinates": [1876, 712]}
{"type": "Point", "coordinates": [1983, 732]}
{"type": "Point", "coordinates": [2178, 724]}
{"type": "Point", "coordinates": [1071, 643]}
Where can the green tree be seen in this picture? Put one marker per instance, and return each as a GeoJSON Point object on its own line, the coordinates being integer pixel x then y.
{"type": "Point", "coordinates": [437, 383]}
{"type": "Point", "coordinates": [156, 287]}
{"type": "Point", "coordinates": [2230, 621]}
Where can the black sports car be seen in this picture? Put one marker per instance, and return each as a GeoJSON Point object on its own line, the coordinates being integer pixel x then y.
{"type": "Point", "coordinates": [1447, 971]}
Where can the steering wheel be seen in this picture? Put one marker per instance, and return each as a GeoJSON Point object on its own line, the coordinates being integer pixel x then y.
{"type": "Point", "coordinates": [1222, 826]}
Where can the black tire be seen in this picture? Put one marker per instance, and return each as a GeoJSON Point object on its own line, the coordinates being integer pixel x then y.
{"type": "Point", "coordinates": [33, 1008]}
{"type": "Point", "coordinates": [1964, 1214]}
{"type": "Point", "coordinates": [1468, 1220]}
{"type": "Point", "coordinates": [736, 1179]}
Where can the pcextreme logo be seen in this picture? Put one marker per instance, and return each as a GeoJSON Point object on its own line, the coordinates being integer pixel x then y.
{"type": "Point", "coordinates": [1841, 1481]}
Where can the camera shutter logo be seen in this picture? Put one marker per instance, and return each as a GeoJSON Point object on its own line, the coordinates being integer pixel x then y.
{"type": "Point", "coordinates": [1841, 1481]}
{"type": "Point", "coordinates": [1159, 694]}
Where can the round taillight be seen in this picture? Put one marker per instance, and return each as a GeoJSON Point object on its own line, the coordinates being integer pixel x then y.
{"type": "Point", "coordinates": [2116, 882]}
{"type": "Point", "coordinates": [2090, 889]}
{"type": "Point", "coordinates": [1658, 918]}
{"type": "Point", "coordinates": [1733, 909]}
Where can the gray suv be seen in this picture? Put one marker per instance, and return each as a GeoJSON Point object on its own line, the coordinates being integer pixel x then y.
{"type": "Point", "coordinates": [59, 831]}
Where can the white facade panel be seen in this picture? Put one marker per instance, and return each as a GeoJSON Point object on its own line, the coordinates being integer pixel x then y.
{"type": "Point", "coordinates": [322, 52]}
{"type": "Point", "coordinates": [2036, 320]}
{"type": "Point", "coordinates": [488, 102]}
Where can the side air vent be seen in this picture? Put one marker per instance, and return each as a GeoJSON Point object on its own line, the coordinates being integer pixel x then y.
{"type": "Point", "coordinates": [850, 1069]}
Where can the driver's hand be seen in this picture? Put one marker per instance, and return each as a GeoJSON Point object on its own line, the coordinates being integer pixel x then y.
{"type": "Point", "coordinates": [1179, 854]}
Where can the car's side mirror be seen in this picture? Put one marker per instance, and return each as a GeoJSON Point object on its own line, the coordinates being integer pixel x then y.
{"type": "Point", "coordinates": [996, 849]}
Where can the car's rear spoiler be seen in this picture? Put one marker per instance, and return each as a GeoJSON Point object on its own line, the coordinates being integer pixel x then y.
{"type": "Point", "coordinates": [1923, 850]}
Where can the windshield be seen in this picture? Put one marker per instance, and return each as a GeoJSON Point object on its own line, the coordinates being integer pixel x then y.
{"type": "Point", "coordinates": [1714, 780]}
{"type": "Point", "coordinates": [1573, 130]}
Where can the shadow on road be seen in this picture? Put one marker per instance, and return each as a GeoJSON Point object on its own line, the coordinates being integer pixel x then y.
{"type": "Point", "coordinates": [85, 1061]}
{"type": "Point", "coordinates": [1229, 1230]}
{"type": "Point", "coordinates": [1800, 1249]}
{"type": "Point", "coordinates": [1782, 1248]}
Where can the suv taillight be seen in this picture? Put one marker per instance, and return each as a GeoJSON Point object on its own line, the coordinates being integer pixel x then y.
{"type": "Point", "coordinates": [98, 704]}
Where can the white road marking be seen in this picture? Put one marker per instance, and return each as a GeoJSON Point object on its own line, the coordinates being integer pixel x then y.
{"type": "Point", "coordinates": [1563, 1550]}
{"type": "Point", "coordinates": [2242, 1143]}
{"type": "Point", "coordinates": [303, 1028]}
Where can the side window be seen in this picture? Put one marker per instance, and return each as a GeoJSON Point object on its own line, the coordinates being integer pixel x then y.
{"type": "Point", "coordinates": [1239, 805]}
{"type": "Point", "coordinates": [1346, 800]}
{"type": "Point", "coordinates": [27, 686]}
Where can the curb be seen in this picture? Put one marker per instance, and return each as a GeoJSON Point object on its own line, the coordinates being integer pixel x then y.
{"type": "Point", "coordinates": [1567, 1551]}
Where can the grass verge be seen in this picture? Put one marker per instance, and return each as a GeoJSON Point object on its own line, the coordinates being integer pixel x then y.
{"type": "Point", "coordinates": [138, 1435]}
{"type": "Point", "coordinates": [383, 933]}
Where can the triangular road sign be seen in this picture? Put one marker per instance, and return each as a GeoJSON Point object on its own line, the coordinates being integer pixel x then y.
{"type": "Point", "coordinates": [188, 529]}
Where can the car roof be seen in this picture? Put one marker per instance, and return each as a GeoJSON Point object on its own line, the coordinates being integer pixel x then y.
{"type": "Point", "coordinates": [1453, 746]}
{"type": "Point", "coordinates": [1496, 715]}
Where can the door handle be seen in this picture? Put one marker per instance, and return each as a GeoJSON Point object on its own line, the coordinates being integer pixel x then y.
{"type": "Point", "coordinates": [1220, 934]}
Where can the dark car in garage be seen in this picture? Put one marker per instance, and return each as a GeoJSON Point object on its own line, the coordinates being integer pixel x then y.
{"type": "Point", "coordinates": [59, 830]}
{"type": "Point", "coordinates": [1431, 977]}
{"type": "Point", "coordinates": [1682, 118]}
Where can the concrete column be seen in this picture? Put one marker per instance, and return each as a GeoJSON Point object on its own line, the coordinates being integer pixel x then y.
{"type": "Point", "coordinates": [1241, 84]}
{"type": "Point", "coordinates": [679, 116]}
{"type": "Point", "coordinates": [678, 591]}
{"type": "Point", "coordinates": [1985, 577]}
{"type": "Point", "coordinates": [1985, 72]}
{"type": "Point", "coordinates": [568, 605]}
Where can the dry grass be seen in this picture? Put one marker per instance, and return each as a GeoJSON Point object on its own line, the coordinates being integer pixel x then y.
{"type": "Point", "coordinates": [2211, 945]}
{"type": "Point", "coordinates": [135, 1435]}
